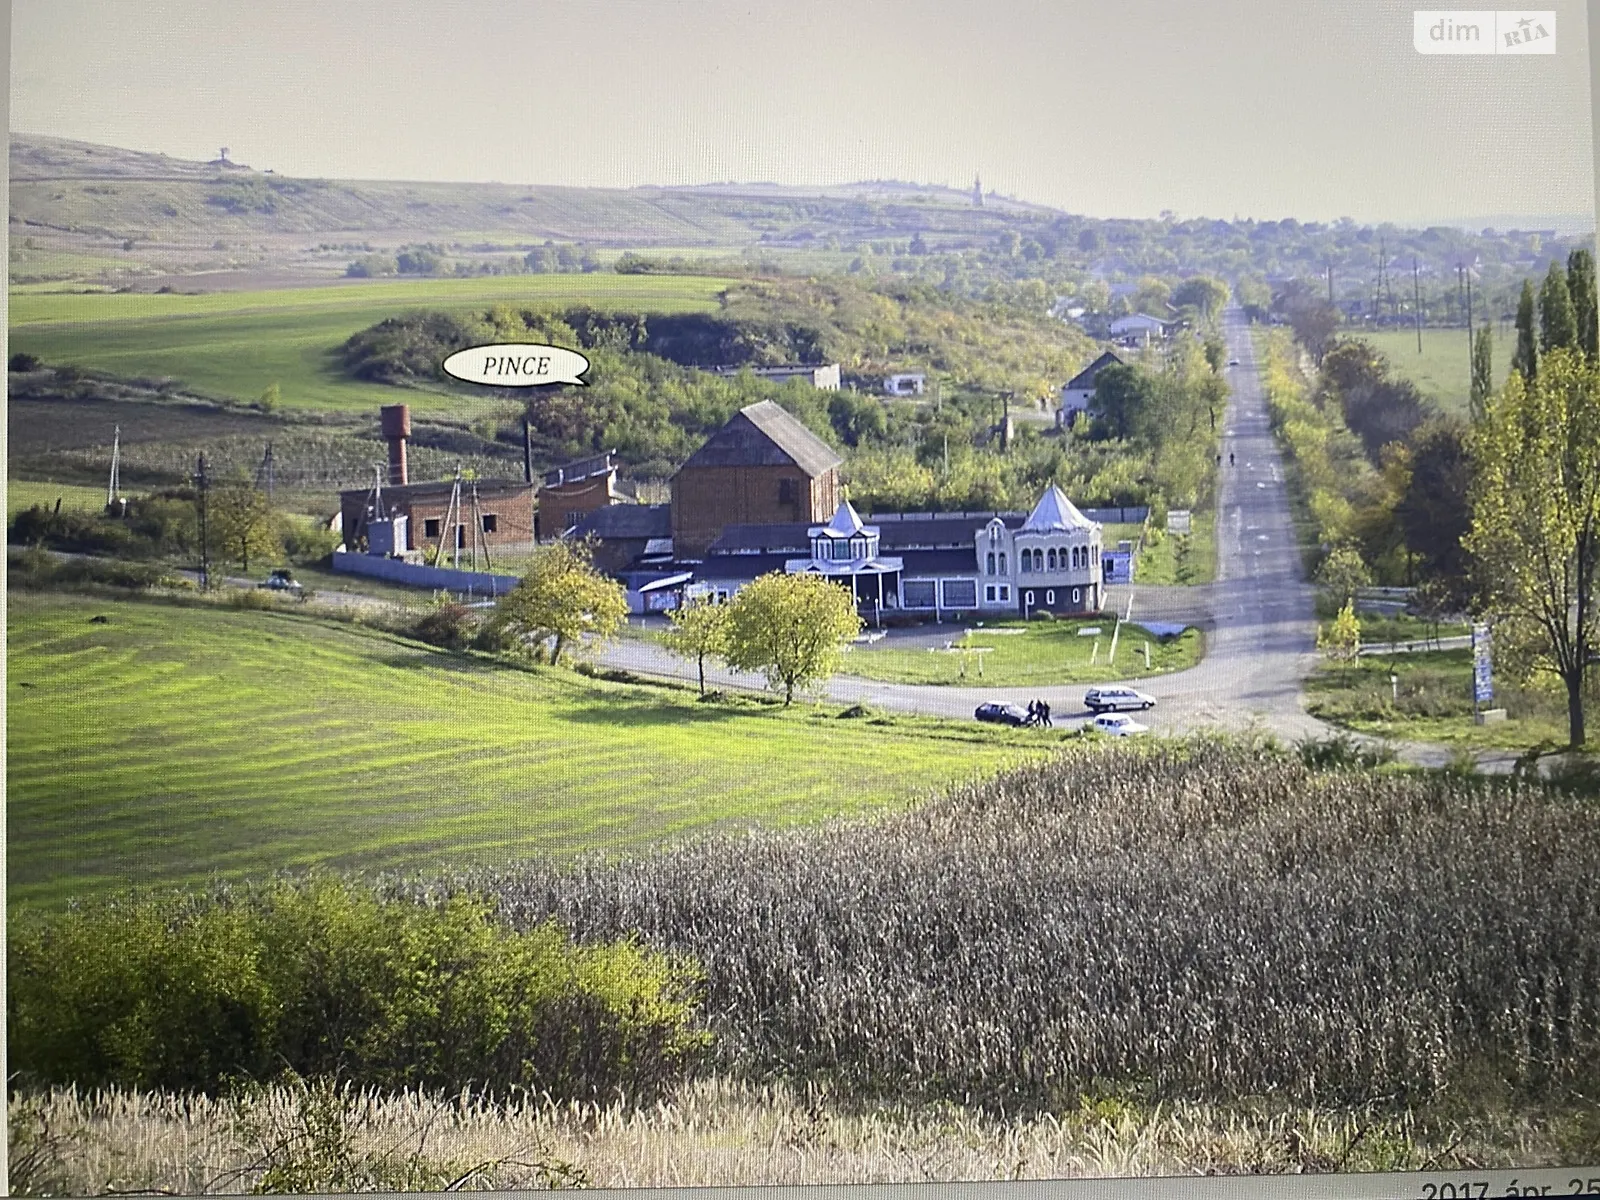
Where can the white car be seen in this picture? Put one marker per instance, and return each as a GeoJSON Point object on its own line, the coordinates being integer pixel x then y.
{"type": "Point", "coordinates": [1110, 699]}
{"type": "Point", "coordinates": [1117, 726]}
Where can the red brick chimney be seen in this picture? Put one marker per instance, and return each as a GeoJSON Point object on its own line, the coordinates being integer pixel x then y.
{"type": "Point", "coordinates": [396, 422]}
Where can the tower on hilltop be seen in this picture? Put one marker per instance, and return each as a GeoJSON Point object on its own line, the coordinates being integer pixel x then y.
{"type": "Point", "coordinates": [977, 191]}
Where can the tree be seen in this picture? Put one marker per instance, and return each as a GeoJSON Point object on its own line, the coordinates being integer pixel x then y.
{"type": "Point", "coordinates": [1536, 516]}
{"type": "Point", "coordinates": [1341, 640]}
{"type": "Point", "coordinates": [1342, 572]}
{"type": "Point", "coordinates": [1558, 327]}
{"type": "Point", "coordinates": [271, 399]}
{"type": "Point", "coordinates": [1122, 393]}
{"type": "Point", "coordinates": [1482, 372]}
{"type": "Point", "coordinates": [1216, 353]}
{"type": "Point", "coordinates": [1525, 359]}
{"type": "Point", "coordinates": [699, 631]}
{"type": "Point", "coordinates": [241, 523]}
{"type": "Point", "coordinates": [1205, 295]}
{"type": "Point", "coordinates": [562, 597]}
{"type": "Point", "coordinates": [791, 628]}
{"type": "Point", "coordinates": [1436, 510]}
{"type": "Point", "coordinates": [1585, 310]}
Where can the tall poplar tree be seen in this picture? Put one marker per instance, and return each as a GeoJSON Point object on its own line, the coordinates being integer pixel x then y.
{"type": "Point", "coordinates": [1585, 308]}
{"type": "Point", "coordinates": [1558, 328]}
{"type": "Point", "coordinates": [1482, 372]}
{"type": "Point", "coordinates": [1525, 359]}
{"type": "Point", "coordinates": [1536, 517]}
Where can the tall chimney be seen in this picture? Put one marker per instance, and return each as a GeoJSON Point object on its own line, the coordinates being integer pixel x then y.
{"type": "Point", "coordinates": [396, 422]}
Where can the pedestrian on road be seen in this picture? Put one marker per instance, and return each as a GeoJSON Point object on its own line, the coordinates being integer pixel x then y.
{"type": "Point", "coordinates": [1044, 715]}
{"type": "Point", "coordinates": [1033, 713]}
{"type": "Point", "coordinates": [1230, 458]}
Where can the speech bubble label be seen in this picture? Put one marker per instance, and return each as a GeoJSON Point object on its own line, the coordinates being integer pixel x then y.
{"type": "Point", "coordinates": [519, 364]}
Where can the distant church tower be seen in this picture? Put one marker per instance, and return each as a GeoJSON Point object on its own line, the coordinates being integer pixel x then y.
{"type": "Point", "coordinates": [977, 192]}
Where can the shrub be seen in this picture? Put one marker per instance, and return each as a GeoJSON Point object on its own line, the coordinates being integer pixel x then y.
{"type": "Point", "coordinates": [450, 625]}
{"type": "Point", "coordinates": [25, 362]}
{"type": "Point", "coordinates": [330, 980]}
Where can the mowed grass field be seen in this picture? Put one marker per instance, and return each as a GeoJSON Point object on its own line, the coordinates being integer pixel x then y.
{"type": "Point", "coordinates": [236, 344]}
{"type": "Point", "coordinates": [1442, 371]}
{"type": "Point", "coordinates": [1041, 653]}
{"type": "Point", "coordinates": [25, 493]}
{"type": "Point", "coordinates": [167, 744]}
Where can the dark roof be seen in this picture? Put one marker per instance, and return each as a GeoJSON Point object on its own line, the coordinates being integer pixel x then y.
{"type": "Point", "coordinates": [627, 521]}
{"type": "Point", "coordinates": [441, 487]}
{"type": "Point", "coordinates": [583, 468]}
{"type": "Point", "coordinates": [1086, 376]}
{"type": "Point", "coordinates": [765, 435]}
{"type": "Point", "coordinates": [740, 567]}
{"type": "Point", "coordinates": [940, 531]}
{"type": "Point", "coordinates": [939, 562]}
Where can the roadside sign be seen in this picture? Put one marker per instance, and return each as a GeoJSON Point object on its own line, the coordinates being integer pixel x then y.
{"type": "Point", "coordinates": [1482, 669]}
{"type": "Point", "coordinates": [1178, 520]}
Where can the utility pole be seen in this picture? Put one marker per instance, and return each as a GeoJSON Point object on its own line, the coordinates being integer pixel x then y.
{"type": "Point", "coordinates": [1416, 298]}
{"type": "Point", "coordinates": [1467, 273]}
{"type": "Point", "coordinates": [114, 485]}
{"type": "Point", "coordinates": [202, 486]}
{"type": "Point", "coordinates": [264, 474]}
{"type": "Point", "coordinates": [1330, 283]}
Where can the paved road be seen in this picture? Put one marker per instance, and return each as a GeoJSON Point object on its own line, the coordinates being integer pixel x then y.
{"type": "Point", "coordinates": [1258, 616]}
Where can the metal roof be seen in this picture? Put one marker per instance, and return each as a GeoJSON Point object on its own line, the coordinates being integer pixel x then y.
{"type": "Point", "coordinates": [627, 521]}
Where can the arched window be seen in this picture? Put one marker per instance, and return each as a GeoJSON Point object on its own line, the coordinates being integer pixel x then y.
{"type": "Point", "coordinates": [1002, 562]}
{"type": "Point", "coordinates": [1077, 595]}
{"type": "Point", "coordinates": [1027, 562]}
{"type": "Point", "coordinates": [1038, 559]}
{"type": "Point", "coordinates": [1052, 558]}
{"type": "Point", "coordinates": [1075, 562]}
{"type": "Point", "coordinates": [990, 564]}
{"type": "Point", "coordinates": [1050, 597]}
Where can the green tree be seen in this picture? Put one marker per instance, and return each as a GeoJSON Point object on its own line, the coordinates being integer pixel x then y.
{"type": "Point", "coordinates": [1122, 394]}
{"type": "Point", "coordinates": [791, 628]}
{"type": "Point", "coordinates": [1536, 516]}
{"type": "Point", "coordinates": [1558, 327]}
{"type": "Point", "coordinates": [241, 524]}
{"type": "Point", "coordinates": [1205, 295]}
{"type": "Point", "coordinates": [271, 399]}
{"type": "Point", "coordinates": [1342, 572]}
{"type": "Point", "coordinates": [699, 631]}
{"type": "Point", "coordinates": [560, 599]}
{"type": "Point", "coordinates": [1585, 310]}
{"type": "Point", "coordinates": [1435, 511]}
{"type": "Point", "coordinates": [1216, 353]}
{"type": "Point", "coordinates": [1341, 640]}
{"type": "Point", "coordinates": [1482, 372]}
{"type": "Point", "coordinates": [1525, 359]}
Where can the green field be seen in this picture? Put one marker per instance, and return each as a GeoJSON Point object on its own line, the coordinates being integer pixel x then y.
{"type": "Point", "coordinates": [1441, 371]}
{"type": "Point", "coordinates": [235, 344]}
{"type": "Point", "coordinates": [1040, 653]}
{"type": "Point", "coordinates": [25, 493]}
{"type": "Point", "coordinates": [169, 743]}
{"type": "Point", "coordinates": [1187, 560]}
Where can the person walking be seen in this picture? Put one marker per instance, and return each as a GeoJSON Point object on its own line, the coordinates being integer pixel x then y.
{"type": "Point", "coordinates": [1230, 458]}
{"type": "Point", "coordinates": [1044, 715]}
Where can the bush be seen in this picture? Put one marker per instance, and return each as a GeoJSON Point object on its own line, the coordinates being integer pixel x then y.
{"type": "Point", "coordinates": [37, 569]}
{"type": "Point", "coordinates": [25, 362]}
{"type": "Point", "coordinates": [329, 980]}
{"type": "Point", "coordinates": [450, 625]}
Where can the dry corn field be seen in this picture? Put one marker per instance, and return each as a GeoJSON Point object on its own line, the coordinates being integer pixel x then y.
{"type": "Point", "coordinates": [1200, 922]}
{"type": "Point", "coordinates": [721, 1132]}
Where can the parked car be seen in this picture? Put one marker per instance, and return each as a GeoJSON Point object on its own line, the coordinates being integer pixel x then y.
{"type": "Point", "coordinates": [281, 580]}
{"type": "Point", "coordinates": [1001, 714]}
{"type": "Point", "coordinates": [1112, 699]}
{"type": "Point", "coordinates": [1117, 726]}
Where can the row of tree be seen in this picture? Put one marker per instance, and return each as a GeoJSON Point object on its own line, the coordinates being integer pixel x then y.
{"type": "Point", "coordinates": [790, 628]}
{"type": "Point", "coordinates": [1498, 514]}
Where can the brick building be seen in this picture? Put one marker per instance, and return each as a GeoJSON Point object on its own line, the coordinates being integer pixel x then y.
{"type": "Point", "coordinates": [505, 510]}
{"type": "Point", "coordinates": [570, 493]}
{"type": "Point", "coordinates": [762, 468]}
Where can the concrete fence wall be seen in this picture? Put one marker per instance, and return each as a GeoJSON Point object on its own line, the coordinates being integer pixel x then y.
{"type": "Point", "coordinates": [394, 570]}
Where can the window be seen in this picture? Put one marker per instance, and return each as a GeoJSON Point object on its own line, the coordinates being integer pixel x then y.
{"type": "Point", "coordinates": [491, 522]}
{"type": "Point", "coordinates": [1027, 562]}
{"type": "Point", "coordinates": [571, 519]}
{"type": "Point", "coordinates": [787, 492]}
{"type": "Point", "coordinates": [1005, 594]}
{"type": "Point", "coordinates": [960, 593]}
{"type": "Point", "coordinates": [430, 527]}
{"type": "Point", "coordinates": [988, 594]}
{"type": "Point", "coordinates": [1002, 562]}
{"type": "Point", "coordinates": [1052, 558]}
{"type": "Point", "coordinates": [1077, 595]}
{"type": "Point", "coordinates": [918, 593]}
{"type": "Point", "coordinates": [1050, 597]}
{"type": "Point", "coordinates": [989, 566]}
{"type": "Point", "coordinates": [1027, 598]}
{"type": "Point", "coordinates": [841, 551]}
{"type": "Point", "coordinates": [461, 537]}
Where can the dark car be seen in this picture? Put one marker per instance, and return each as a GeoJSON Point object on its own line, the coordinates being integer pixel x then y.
{"type": "Point", "coordinates": [1001, 714]}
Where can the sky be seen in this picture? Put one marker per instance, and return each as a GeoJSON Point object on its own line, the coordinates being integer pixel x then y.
{"type": "Point", "coordinates": [1314, 109]}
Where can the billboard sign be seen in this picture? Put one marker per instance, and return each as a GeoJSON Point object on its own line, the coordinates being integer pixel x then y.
{"type": "Point", "coordinates": [1482, 669]}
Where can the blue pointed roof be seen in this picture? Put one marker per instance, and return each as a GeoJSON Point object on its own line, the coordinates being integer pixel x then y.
{"type": "Point", "coordinates": [1055, 513]}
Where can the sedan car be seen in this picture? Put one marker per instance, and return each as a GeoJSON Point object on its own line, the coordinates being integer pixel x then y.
{"type": "Point", "coordinates": [281, 581]}
{"type": "Point", "coordinates": [1233, 362]}
{"type": "Point", "coordinates": [1001, 714]}
{"type": "Point", "coordinates": [1111, 699]}
{"type": "Point", "coordinates": [1117, 726]}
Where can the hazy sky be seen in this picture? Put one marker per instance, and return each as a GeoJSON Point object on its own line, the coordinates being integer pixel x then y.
{"type": "Point", "coordinates": [1264, 108]}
